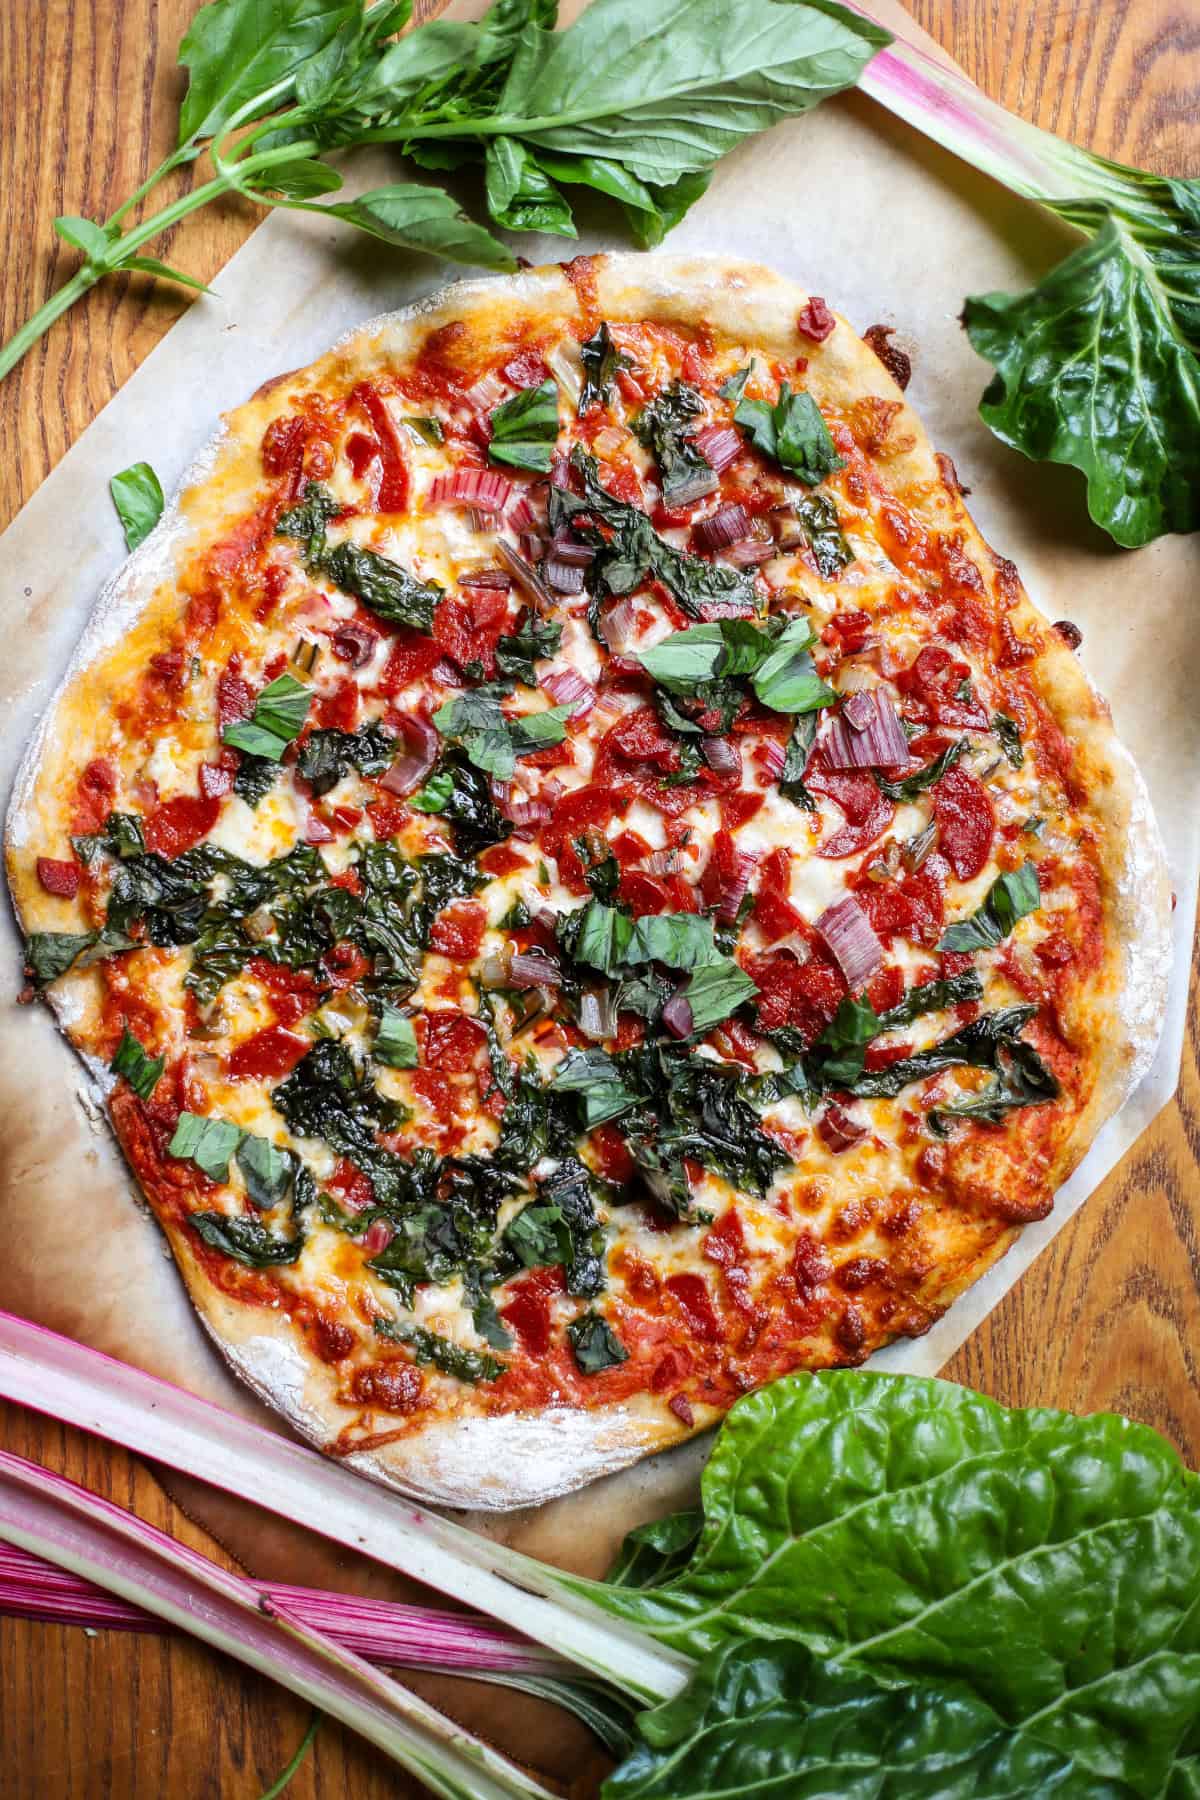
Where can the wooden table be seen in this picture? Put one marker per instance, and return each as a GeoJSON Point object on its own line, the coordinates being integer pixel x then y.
{"type": "Point", "coordinates": [1109, 1316]}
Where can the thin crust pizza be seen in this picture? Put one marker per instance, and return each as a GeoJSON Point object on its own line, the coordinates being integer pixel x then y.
{"type": "Point", "coordinates": [584, 882]}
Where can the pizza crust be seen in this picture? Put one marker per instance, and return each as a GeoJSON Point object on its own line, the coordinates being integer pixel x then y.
{"type": "Point", "coordinates": [519, 1459]}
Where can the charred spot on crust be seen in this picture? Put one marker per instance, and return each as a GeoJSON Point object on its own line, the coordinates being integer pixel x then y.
{"type": "Point", "coordinates": [1070, 634]}
{"type": "Point", "coordinates": [894, 360]}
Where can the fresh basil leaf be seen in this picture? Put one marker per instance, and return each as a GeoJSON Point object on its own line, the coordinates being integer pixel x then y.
{"type": "Point", "coordinates": [138, 498]}
{"type": "Point", "coordinates": [594, 1074]}
{"type": "Point", "coordinates": [517, 652]}
{"type": "Point", "coordinates": [429, 430]}
{"type": "Point", "coordinates": [777, 1721]}
{"type": "Point", "coordinates": [267, 1170]}
{"type": "Point", "coordinates": [207, 1142]}
{"type": "Point", "coordinates": [396, 1040]}
{"type": "Point", "coordinates": [716, 990]}
{"type": "Point", "coordinates": [520, 195]}
{"type": "Point", "coordinates": [492, 740]}
{"type": "Point", "coordinates": [85, 234]}
{"type": "Point", "coordinates": [525, 429]}
{"type": "Point", "coordinates": [595, 1344]}
{"type": "Point", "coordinates": [436, 792]}
{"type": "Point", "coordinates": [413, 217]}
{"type": "Point", "coordinates": [597, 934]}
{"type": "Point", "coordinates": [792, 432]}
{"type": "Point", "coordinates": [446, 1356]}
{"type": "Point", "coordinates": [787, 681]}
{"type": "Point", "coordinates": [909, 786]}
{"type": "Point", "coordinates": [245, 1238]}
{"type": "Point", "coordinates": [643, 85]}
{"type": "Point", "coordinates": [384, 586]}
{"type": "Point", "coordinates": [278, 717]}
{"type": "Point", "coordinates": [1099, 367]}
{"type": "Point", "coordinates": [303, 179]}
{"type": "Point", "coordinates": [680, 940]}
{"type": "Point", "coordinates": [669, 203]}
{"type": "Point", "coordinates": [799, 748]}
{"type": "Point", "coordinates": [734, 386]}
{"type": "Point", "coordinates": [1009, 733]}
{"type": "Point", "coordinates": [238, 50]}
{"type": "Point", "coordinates": [539, 1236]}
{"type": "Point", "coordinates": [601, 360]}
{"type": "Point", "coordinates": [140, 1071]}
{"type": "Point", "coordinates": [1012, 896]}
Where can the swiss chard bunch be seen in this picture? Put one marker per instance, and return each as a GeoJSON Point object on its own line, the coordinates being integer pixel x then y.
{"type": "Point", "coordinates": [637, 100]}
{"type": "Point", "coordinates": [1099, 365]}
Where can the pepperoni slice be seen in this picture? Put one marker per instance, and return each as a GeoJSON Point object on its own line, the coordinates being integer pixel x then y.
{"type": "Point", "coordinates": [868, 812]}
{"type": "Point", "coordinates": [452, 1040]}
{"type": "Point", "coordinates": [804, 995]}
{"type": "Point", "coordinates": [458, 932]}
{"type": "Point", "coordinates": [528, 1311]}
{"type": "Point", "coordinates": [411, 658]}
{"type": "Point", "coordinates": [61, 878]}
{"type": "Point", "coordinates": [270, 1052]}
{"type": "Point", "coordinates": [966, 821]}
{"type": "Point", "coordinates": [932, 689]}
{"type": "Point", "coordinates": [178, 824]}
{"type": "Point", "coordinates": [393, 482]}
{"type": "Point", "coordinates": [694, 1299]}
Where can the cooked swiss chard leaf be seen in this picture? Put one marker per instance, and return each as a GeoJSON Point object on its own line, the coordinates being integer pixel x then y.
{"type": "Point", "coordinates": [517, 652]}
{"type": "Point", "coordinates": [446, 1356]}
{"type": "Point", "coordinates": [1012, 896]}
{"type": "Point", "coordinates": [601, 360]}
{"type": "Point", "coordinates": [384, 586]}
{"type": "Point", "coordinates": [817, 517]}
{"type": "Point", "coordinates": [309, 518]}
{"type": "Point", "coordinates": [49, 954]}
{"type": "Point", "coordinates": [792, 433]}
{"type": "Point", "coordinates": [254, 778]}
{"type": "Point", "coordinates": [245, 1238]}
{"type": "Point", "coordinates": [525, 428]}
{"type": "Point", "coordinates": [980, 1044]}
{"type": "Point", "coordinates": [632, 552]}
{"type": "Point", "coordinates": [327, 754]}
{"type": "Point", "coordinates": [663, 427]}
{"type": "Point", "coordinates": [468, 804]}
{"type": "Point", "coordinates": [278, 717]}
{"type": "Point", "coordinates": [139, 1070]}
{"type": "Point", "coordinates": [1020, 1079]}
{"type": "Point", "coordinates": [909, 786]}
{"type": "Point", "coordinates": [595, 1344]}
{"type": "Point", "coordinates": [1009, 733]}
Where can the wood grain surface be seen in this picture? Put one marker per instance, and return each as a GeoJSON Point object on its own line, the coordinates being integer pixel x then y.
{"type": "Point", "coordinates": [1110, 1314]}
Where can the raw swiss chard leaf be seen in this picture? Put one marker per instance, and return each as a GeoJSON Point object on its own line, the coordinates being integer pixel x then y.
{"type": "Point", "coordinates": [601, 360]}
{"type": "Point", "coordinates": [267, 1170]}
{"type": "Point", "coordinates": [652, 1553]}
{"type": "Point", "coordinates": [524, 429]}
{"type": "Point", "coordinates": [792, 432]}
{"type": "Point", "coordinates": [666, 91]}
{"type": "Point", "coordinates": [595, 1344]}
{"type": "Point", "coordinates": [447, 1357]}
{"type": "Point", "coordinates": [384, 586]}
{"type": "Point", "coordinates": [245, 1238]}
{"type": "Point", "coordinates": [1099, 367]}
{"type": "Point", "coordinates": [140, 1071]}
{"type": "Point", "coordinates": [1056, 1575]}
{"type": "Point", "coordinates": [278, 717]}
{"type": "Point", "coordinates": [207, 1142]}
{"type": "Point", "coordinates": [396, 1040]}
{"type": "Point", "coordinates": [138, 497]}
{"type": "Point", "coordinates": [520, 195]}
{"type": "Point", "coordinates": [776, 1721]}
{"type": "Point", "coordinates": [1012, 896]}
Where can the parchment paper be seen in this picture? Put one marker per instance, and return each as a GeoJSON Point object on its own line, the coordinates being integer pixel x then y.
{"type": "Point", "coordinates": [889, 229]}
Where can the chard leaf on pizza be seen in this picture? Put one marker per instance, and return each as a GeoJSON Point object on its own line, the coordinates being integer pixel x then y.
{"type": "Point", "coordinates": [586, 883]}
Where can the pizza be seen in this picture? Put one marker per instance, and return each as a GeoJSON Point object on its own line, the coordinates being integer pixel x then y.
{"type": "Point", "coordinates": [583, 881]}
